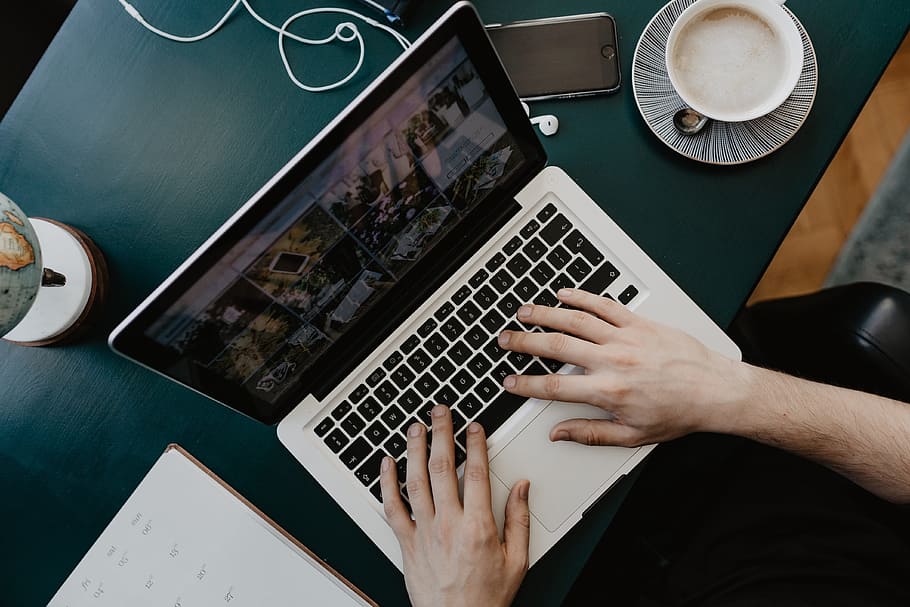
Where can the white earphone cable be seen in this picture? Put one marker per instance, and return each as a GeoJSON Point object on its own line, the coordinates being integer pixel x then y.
{"type": "Point", "coordinates": [345, 32]}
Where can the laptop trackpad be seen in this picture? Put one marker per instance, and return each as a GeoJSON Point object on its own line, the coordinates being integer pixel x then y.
{"type": "Point", "coordinates": [562, 474]}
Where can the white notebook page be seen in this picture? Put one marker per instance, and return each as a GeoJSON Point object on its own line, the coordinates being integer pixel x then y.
{"type": "Point", "coordinates": [183, 540]}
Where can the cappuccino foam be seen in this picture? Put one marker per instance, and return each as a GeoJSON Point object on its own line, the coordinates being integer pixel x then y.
{"type": "Point", "coordinates": [728, 60]}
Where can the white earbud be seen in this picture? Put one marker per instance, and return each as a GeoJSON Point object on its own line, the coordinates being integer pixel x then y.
{"type": "Point", "coordinates": [548, 123]}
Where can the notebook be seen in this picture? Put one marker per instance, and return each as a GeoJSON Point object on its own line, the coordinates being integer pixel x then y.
{"type": "Point", "coordinates": [184, 538]}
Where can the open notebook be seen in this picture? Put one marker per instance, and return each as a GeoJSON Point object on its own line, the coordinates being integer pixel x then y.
{"type": "Point", "coordinates": [186, 539]}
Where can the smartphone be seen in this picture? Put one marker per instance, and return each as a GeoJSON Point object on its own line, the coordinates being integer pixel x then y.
{"type": "Point", "coordinates": [559, 57]}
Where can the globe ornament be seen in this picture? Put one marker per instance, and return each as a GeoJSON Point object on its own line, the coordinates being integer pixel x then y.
{"type": "Point", "coordinates": [52, 278]}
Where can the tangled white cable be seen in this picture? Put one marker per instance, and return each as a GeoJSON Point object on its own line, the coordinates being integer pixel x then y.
{"type": "Point", "coordinates": [345, 31]}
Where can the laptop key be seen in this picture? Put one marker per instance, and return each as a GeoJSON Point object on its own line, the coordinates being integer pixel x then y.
{"type": "Point", "coordinates": [525, 290]}
{"type": "Point", "coordinates": [469, 406]}
{"type": "Point", "coordinates": [375, 377]}
{"type": "Point", "coordinates": [446, 396]}
{"type": "Point", "coordinates": [458, 421]}
{"type": "Point", "coordinates": [492, 321]}
{"type": "Point", "coordinates": [426, 385]}
{"type": "Point", "coordinates": [508, 305]}
{"type": "Point", "coordinates": [359, 393]}
{"type": "Point", "coordinates": [476, 337]}
{"type": "Point", "coordinates": [409, 344]}
{"type": "Point", "coordinates": [493, 351]}
{"type": "Point", "coordinates": [495, 261]}
{"type": "Point", "coordinates": [396, 445]}
{"type": "Point", "coordinates": [546, 298]}
{"type": "Point", "coordinates": [376, 433]}
{"type": "Point", "coordinates": [518, 265]}
{"type": "Point", "coordinates": [336, 440]}
{"type": "Point", "coordinates": [498, 411]}
{"type": "Point", "coordinates": [461, 294]}
{"type": "Point", "coordinates": [485, 297]}
{"type": "Point", "coordinates": [519, 359]}
{"type": "Point", "coordinates": [502, 280]}
{"type": "Point", "coordinates": [376, 490]}
{"type": "Point", "coordinates": [561, 282]}
{"type": "Point", "coordinates": [559, 257]}
{"type": "Point", "coordinates": [552, 365]}
{"type": "Point", "coordinates": [393, 416]}
{"type": "Point", "coordinates": [452, 328]}
{"type": "Point", "coordinates": [359, 450]}
{"type": "Point", "coordinates": [409, 400]}
{"type": "Point", "coordinates": [463, 381]}
{"type": "Point", "coordinates": [323, 427]}
{"type": "Point", "coordinates": [369, 408]}
{"type": "Point", "coordinates": [425, 417]}
{"type": "Point", "coordinates": [458, 352]}
{"type": "Point", "coordinates": [536, 369]}
{"type": "Point", "coordinates": [479, 365]}
{"type": "Point", "coordinates": [529, 229]}
{"type": "Point", "coordinates": [341, 410]}
{"type": "Point", "coordinates": [602, 278]}
{"type": "Point", "coordinates": [353, 424]}
{"type": "Point", "coordinates": [442, 369]}
{"type": "Point", "coordinates": [501, 371]}
{"type": "Point", "coordinates": [393, 361]}
{"type": "Point", "coordinates": [369, 471]}
{"type": "Point", "coordinates": [419, 360]}
{"type": "Point", "coordinates": [386, 392]}
{"type": "Point", "coordinates": [468, 313]}
{"type": "Point", "coordinates": [547, 212]}
{"type": "Point", "coordinates": [436, 345]}
{"type": "Point", "coordinates": [403, 376]}
{"type": "Point", "coordinates": [542, 273]}
{"type": "Point", "coordinates": [443, 311]}
{"type": "Point", "coordinates": [478, 279]}
{"type": "Point", "coordinates": [628, 295]}
{"type": "Point", "coordinates": [513, 245]}
{"type": "Point", "coordinates": [579, 269]}
{"type": "Point", "coordinates": [558, 227]}
{"type": "Point", "coordinates": [487, 389]}
{"type": "Point", "coordinates": [577, 243]}
{"type": "Point", "coordinates": [534, 249]}
{"type": "Point", "coordinates": [427, 327]}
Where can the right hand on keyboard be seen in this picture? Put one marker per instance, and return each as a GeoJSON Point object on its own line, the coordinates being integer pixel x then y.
{"type": "Point", "coordinates": [657, 382]}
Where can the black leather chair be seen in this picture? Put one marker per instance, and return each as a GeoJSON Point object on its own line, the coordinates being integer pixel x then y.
{"type": "Point", "coordinates": [855, 336]}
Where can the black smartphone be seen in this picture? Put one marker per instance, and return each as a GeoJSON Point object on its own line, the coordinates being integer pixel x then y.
{"type": "Point", "coordinates": [559, 57]}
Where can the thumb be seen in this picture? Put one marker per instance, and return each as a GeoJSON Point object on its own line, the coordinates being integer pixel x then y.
{"type": "Point", "coordinates": [593, 432]}
{"type": "Point", "coordinates": [517, 526]}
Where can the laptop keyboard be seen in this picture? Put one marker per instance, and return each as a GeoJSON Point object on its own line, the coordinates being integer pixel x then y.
{"type": "Point", "coordinates": [454, 359]}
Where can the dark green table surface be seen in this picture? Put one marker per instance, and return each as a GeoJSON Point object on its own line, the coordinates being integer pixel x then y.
{"type": "Point", "coordinates": [150, 145]}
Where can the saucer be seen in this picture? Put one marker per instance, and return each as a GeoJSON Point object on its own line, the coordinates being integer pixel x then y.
{"type": "Point", "coordinates": [719, 142]}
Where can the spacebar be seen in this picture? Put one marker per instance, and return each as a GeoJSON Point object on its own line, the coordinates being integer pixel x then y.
{"type": "Point", "coordinates": [498, 411]}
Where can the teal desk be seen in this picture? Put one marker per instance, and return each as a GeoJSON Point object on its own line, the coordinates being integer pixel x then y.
{"type": "Point", "coordinates": [149, 145]}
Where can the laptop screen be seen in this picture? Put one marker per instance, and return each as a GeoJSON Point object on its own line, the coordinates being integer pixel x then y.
{"type": "Point", "coordinates": [342, 237]}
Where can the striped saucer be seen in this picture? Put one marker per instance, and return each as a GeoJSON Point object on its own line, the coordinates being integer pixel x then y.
{"type": "Point", "coordinates": [719, 142]}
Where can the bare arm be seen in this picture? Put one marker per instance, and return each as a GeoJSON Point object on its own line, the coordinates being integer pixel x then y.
{"type": "Point", "coordinates": [659, 383]}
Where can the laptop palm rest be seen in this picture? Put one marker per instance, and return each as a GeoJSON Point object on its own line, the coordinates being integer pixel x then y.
{"type": "Point", "coordinates": [563, 475]}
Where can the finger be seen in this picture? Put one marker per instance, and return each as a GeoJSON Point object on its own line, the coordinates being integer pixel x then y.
{"type": "Point", "coordinates": [574, 322]}
{"type": "Point", "coordinates": [477, 472]}
{"type": "Point", "coordinates": [516, 532]}
{"type": "Point", "coordinates": [569, 388]}
{"type": "Point", "coordinates": [418, 484]}
{"type": "Point", "coordinates": [559, 346]}
{"type": "Point", "coordinates": [596, 432]}
{"type": "Point", "coordinates": [395, 511]}
{"type": "Point", "coordinates": [603, 307]}
{"type": "Point", "coordinates": [443, 478]}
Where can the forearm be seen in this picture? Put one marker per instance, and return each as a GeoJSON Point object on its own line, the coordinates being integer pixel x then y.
{"type": "Point", "coordinates": [864, 437]}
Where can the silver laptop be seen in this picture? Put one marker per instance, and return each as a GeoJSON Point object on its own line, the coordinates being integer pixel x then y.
{"type": "Point", "coordinates": [368, 280]}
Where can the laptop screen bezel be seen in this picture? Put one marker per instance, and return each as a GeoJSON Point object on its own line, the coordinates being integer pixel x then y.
{"type": "Point", "coordinates": [463, 23]}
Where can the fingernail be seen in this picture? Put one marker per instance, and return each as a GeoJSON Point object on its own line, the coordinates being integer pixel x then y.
{"type": "Point", "coordinates": [414, 430]}
{"type": "Point", "coordinates": [523, 312]}
{"type": "Point", "coordinates": [509, 382]}
{"type": "Point", "coordinates": [474, 428]}
{"type": "Point", "coordinates": [565, 293]}
{"type": "Point", "coordinates": [385, 464]}
{"type": "Point", "coordinates": [504, 338]}
{"type": "Point", "coordinates": [439, 410]}
{"type": "Point", "coordinates": [561, 435]}
{"type": "Point", "coordinates": [523, 491]}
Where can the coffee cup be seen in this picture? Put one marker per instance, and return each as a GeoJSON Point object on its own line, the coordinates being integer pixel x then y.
{"type": "Point", "coordinates": [734, 60]}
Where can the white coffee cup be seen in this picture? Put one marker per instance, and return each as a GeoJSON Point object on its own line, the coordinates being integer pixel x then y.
{"type": "Point", "coordinates": [734, 60]}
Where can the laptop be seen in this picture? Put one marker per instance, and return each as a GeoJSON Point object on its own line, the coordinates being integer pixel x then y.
{"type": "Point", "coordinates": [368, 280]}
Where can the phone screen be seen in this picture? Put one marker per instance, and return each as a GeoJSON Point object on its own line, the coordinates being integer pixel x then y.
{"type": "Point", "coordinates": [559, 56]}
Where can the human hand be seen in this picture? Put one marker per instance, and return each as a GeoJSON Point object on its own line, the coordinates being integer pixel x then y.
{"type": "Point", "coordinates": [656, 382]}
{"type": "Point", "coordinates": [452, 552]}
